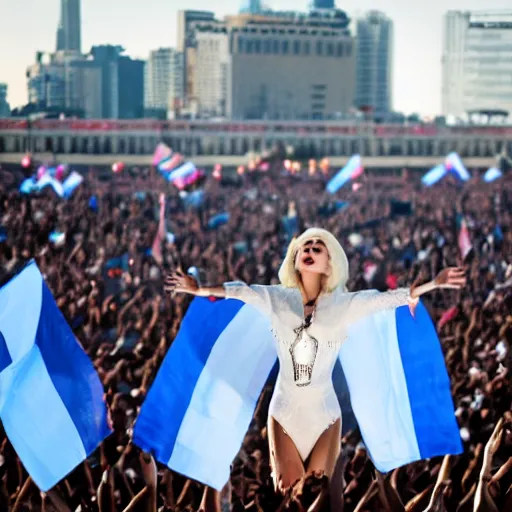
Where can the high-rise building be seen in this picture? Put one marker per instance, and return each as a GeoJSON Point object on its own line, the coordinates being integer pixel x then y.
{"type": "Point", "coordinates": [84, 83]}
{"type": "Point", "coordinates": [157, 84]}
{"type": "Point", "coordinates": [69, 29]}
{"type": "Point", "coordinates": [54, 81]}
{"type": "Point", "coordinates": [106, 57]}
{"type": "Point", "coordinates": [211, 73]}
{"type": "Point", "coordinates": [130, 84]}
{"type": "Point", "coordinates": [288, 65]}
{"type": "Point", "coordinates": [163, 83]}
{"type": "Point", "coordinates": [251, 6]}
{"type": "Point", "coordinates": [477, 62]}
{"type": "Point", "coordinates": [323, 4]}
{"type": "Point", "coordinates": [122, 83]}
{"type": "Point", "coordinates": [374, 63]}
{"type": "Point", "coordinates": [177, 93]}
{"type": "Point", "coordinates": [46, 82]}
{"type": "Point", "coordinates": [185, 45]}
{"type": "Point", "coordinates": [5, 109]}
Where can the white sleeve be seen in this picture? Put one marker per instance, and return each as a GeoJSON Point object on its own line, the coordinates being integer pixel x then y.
{"type": "Point", "coordinates": [368, 302]}
{"type": "Point", "coordinates": [256, 295]}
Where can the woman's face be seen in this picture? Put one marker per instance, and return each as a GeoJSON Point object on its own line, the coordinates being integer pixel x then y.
{"type": "Point", "coordinates": [313, 257]}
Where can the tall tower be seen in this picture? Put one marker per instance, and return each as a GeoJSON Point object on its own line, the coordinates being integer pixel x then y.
{"type": "Point", "coordinates": [69, 30]}
{"type": "Point", "coordinates": [251, 6]}
{"type": "Point", "coordinates": [374, 62]}
{"type": "Point", "coordinates": [323, 4]}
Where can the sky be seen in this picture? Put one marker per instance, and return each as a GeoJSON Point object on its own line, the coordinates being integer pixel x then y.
{"type": "Point", "coordinates": [30, 25]}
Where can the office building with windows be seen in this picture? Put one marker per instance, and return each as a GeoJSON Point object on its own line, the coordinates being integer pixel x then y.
{"type": "Point", "coordinates": [157, 80]}
{"type": "Point", "coordinates": [185, 45]}
{"type": "Point", "coordinates": [212, 59]}
{"type": "Point", "coordinates": [163, 81]}
{"type": "Point", "coordinates": [277, 66]}
{"type": "Point", "coordinates": [374, 63]}
{"type": "Point", "coordinates": [477, 62]}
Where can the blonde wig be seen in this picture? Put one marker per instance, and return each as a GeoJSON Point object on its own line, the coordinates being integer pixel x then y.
{"type": "Point", "coordinates": [289, 275]}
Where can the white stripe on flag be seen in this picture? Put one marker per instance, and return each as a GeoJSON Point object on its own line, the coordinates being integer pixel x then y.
{"type": "Point", "coordinates": [378, 390]}
{"type": "Point", "coordinates": [34, 411]}
{"type": "Point", "coordinates": [217, 418]}
{"type": "Point", "coordinates": [51, 399]}
{"type": "Point", "coordinates": [20, 304]}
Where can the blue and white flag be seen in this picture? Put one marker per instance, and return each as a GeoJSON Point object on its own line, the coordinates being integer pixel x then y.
{"type": "Point", "coordinates": [201, 403]}
{"type": "Point", "coordinates": [434, 175]}
{"type": "Point", "coordinates": [399, 388]}
{"type": "Point", "coordinates": [492, 174]}
{"type": "Point", "coordinates": [48, 181]}
{"type": "Point", "coordinates": [351, 171]}
{"type": "Point", "coordinates": [71, 183]}
{"type": "Point", "coordinates": [65, 189]}
{"type": "Point", "coordinates": [454, 163]}
{"type": "Point", "coordinates": [28, 186]}
{"type": "Point", "coordinates": [51, 398]}
{"type": "Point", "coordinates": [198, 410]}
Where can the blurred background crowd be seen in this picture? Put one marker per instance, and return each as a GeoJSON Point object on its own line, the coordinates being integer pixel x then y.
{"type": "Point", "coordinates": [104, 257]}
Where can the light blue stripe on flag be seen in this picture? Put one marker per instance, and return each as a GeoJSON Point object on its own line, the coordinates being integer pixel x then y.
{"type": "Point", "coordinates": [182, 170]}
{"type": "Point", "coordinates": [202, 401]}
{"type": "Point", "coordinates": [345, 174]}
{"type": "Point", "coordinates": [492, 174]}
{"type": "Point", "coordinates": [434, 175]}
{"type": "Point", "coordinates": [51, 399]}
{"type": "Point", "coordinates": [399, 388]}
{"type": "Point", "coordinates": [71, 183]}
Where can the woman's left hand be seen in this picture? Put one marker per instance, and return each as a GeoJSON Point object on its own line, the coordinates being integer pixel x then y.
{"type": "Point", "coordinates": [451, 277]}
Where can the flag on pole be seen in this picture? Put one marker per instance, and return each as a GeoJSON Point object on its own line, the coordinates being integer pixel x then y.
{"type": "Point", "coordinates": [200, 405]}
{"type": "Point", "coordinates": [51, 398]}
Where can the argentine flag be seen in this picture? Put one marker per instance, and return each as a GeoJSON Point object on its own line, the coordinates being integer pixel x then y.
{"type": "Point", "coordinates": [51, 398]}
{"type": "Point", "coordinates": [201, 403]}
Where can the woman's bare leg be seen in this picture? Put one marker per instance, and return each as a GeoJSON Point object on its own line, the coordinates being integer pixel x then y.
{"type": "Point", "coordinates": [324, 455]}
{"type": "Point", "coordinates": [285, 460]}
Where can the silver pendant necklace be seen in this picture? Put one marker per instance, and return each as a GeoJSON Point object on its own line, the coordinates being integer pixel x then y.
{"type": "Point", "coordinates": [303, 351]}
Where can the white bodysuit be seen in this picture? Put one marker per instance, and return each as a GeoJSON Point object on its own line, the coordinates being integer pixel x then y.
{"type": "Point", "coordinates": [304, 402]}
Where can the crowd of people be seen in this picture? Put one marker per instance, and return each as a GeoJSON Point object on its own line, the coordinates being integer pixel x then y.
{"type": "Point", "coordinates": [106, 274]}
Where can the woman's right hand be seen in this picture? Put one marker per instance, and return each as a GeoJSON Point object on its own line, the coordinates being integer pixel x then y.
{"type": "Point", "coordinates": [178, 282]}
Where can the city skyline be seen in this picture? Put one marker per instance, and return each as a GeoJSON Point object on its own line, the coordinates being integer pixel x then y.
{"type": "Point", "coordinates": [418, 37]}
